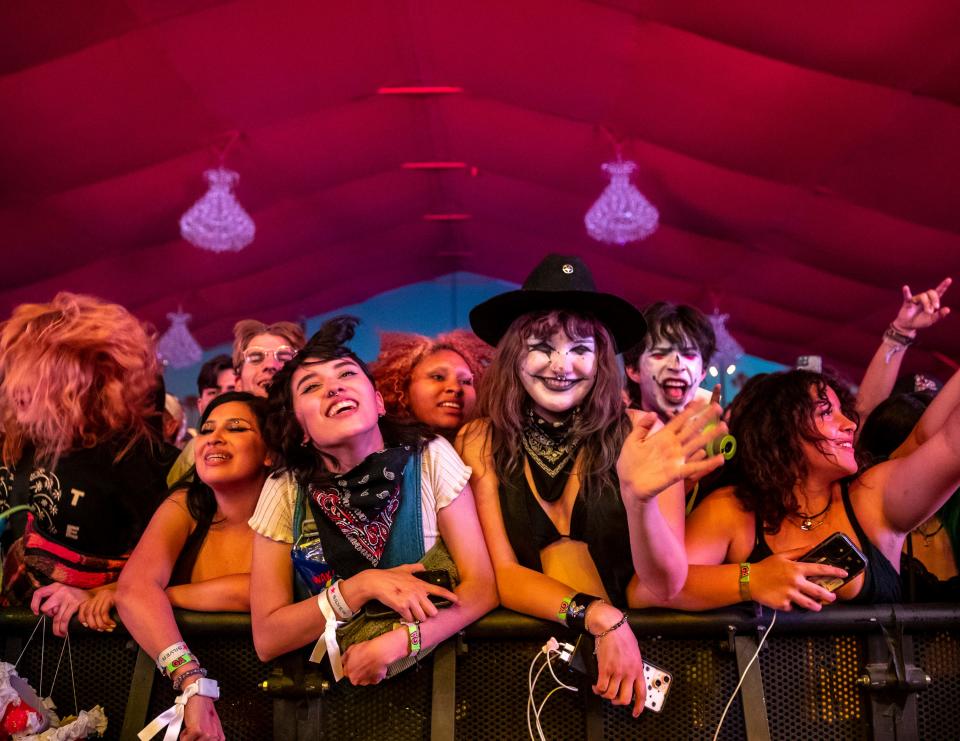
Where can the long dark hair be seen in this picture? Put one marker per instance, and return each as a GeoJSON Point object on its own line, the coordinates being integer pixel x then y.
{"type": "Point", "coordinates": [602, 425]}
{"type": "Point", "coordinates": [201, 502]}
{"type": "Point", "coordinates": [283, 432]}
{"type": "Point", "coordinates": [770, 418]}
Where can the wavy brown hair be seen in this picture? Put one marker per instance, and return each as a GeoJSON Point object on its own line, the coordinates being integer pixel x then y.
{"type": "Point", "coordinates": [770, 418]}
{"type": "Point", "coordinates": [75, 372]}
{"type": "Point", "coordinates": [401, 352]}
{"type": "Point", "coordinates": [602, 426]}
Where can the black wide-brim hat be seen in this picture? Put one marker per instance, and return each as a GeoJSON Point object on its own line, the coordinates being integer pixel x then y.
{"type": "Point", "coordinates": [560, 283]}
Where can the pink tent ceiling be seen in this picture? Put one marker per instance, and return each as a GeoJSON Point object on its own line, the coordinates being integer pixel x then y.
{"type": "Point", "coordinates": [804, 157]}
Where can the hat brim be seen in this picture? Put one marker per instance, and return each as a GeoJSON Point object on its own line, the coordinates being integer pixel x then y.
{"type": "Point", "coordinates": [491, 319]}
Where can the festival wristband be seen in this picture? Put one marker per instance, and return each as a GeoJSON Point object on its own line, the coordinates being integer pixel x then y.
{"type": "Point", "coordinates": [338, 603]}
{"type": "Point", "coordinates": [413, 638]}
{"type": "Point", "coordinates": [179, 662]}
{"type": "Point", "coordinates": [170, 653]}
{"type": "Point", "coordinates": [745, 582]}
{"type": "Point", "coordinates": [172, 718]}
{"type": "Point", "coordinates": [562, 612]}
{"type": "Point", "coordinates": [577, 611]}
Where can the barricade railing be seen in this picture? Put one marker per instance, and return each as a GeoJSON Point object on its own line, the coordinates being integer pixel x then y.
{"type": "Point", "coordinates": [848, 672]}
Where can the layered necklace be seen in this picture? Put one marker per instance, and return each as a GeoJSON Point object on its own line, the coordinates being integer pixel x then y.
{"type": "Point", "coordinates": [810, 522]}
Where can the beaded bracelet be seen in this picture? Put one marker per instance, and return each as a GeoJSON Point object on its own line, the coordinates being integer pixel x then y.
{"type": "Point", "coordinates": [180, 678]}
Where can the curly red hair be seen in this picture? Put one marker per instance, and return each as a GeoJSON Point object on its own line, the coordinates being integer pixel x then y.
{"type": "Point", "coordinates": [400, 352]}
{"type": "Point", "coordinates": [75, 371]}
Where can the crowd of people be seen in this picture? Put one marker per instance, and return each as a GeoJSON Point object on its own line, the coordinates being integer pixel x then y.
{"type": "Point", "coordinates": [370, 512]}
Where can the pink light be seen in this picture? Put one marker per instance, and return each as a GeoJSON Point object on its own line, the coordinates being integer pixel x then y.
{"type": "Point", "coordinates": [447, 217]}
{"type": "Point", "coordinates": [420, 90]}
{"type": "Point", "coordinates": [434, 165]}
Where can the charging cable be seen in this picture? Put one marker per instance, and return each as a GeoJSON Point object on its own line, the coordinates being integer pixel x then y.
{"type": "Point", "coordinates": [746, 669]}
{"type": "Point", "coordinates": [550, 650]}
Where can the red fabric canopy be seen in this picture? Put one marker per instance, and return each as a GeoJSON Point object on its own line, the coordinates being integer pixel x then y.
{"type": "Point", "coordinates": [803, 157]}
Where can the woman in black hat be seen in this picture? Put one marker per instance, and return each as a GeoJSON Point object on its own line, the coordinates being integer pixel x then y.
{"type": "Point", "coordinates": [567, 493]}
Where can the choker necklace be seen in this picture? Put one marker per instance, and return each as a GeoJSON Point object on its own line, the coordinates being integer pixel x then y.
{"type": "Point", "coordinates": [928, 537]}
{"type": "Point", "coordinates": [810, 522]}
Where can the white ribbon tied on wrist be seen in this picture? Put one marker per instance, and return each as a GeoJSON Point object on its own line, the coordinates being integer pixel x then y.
{"type": "Point", "coordinates": [327, 643]}
{"type": "Point", "coordinates": [171, 718]}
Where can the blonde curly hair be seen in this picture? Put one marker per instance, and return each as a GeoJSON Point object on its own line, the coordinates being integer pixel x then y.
{"type": "Point", "coordinates": [400, 352]}
{"type": "Point", "coordinates": [74, 372]}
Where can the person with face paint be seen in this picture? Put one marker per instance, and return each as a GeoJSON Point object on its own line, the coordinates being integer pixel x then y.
{"type": "Point", "coordinates": [582, 515]}
{"type": "Point", "coordinates": [665, 371]}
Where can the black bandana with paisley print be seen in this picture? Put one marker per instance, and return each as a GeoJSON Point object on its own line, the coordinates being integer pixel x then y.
{"type": "Point", "coordinates": [551, 448]}
{"type": "Point", "coordinates": [360, 504]}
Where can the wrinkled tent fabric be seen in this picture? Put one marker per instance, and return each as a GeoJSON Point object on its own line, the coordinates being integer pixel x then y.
{"type": "Point", "coordinates": [803, 157]}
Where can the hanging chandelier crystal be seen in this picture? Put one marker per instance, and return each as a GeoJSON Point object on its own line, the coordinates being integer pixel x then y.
{"type": "Point", "coordinates": [728, 351]}
{"type": "Point", "coordinates": [176, 347]}
{"type": "Point", "coordinates": [621, 214]}
{"type": "Point", "coordinates": [217, 222]}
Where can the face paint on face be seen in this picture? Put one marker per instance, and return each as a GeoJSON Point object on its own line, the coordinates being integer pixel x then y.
{"type": "Point", "coordinates": [668, 377]}
{"type": "Point", "coordinates": [558, 372]}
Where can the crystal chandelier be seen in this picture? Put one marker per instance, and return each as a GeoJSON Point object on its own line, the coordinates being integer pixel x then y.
{"type": "Point", "coordinates": [217, 222]}
{"type": "Point", "coordinates": [621, 214]}
{"type": "Point", "coordinates": [176, 347]}
{"type": "Point", "coordinates": [729, 351]}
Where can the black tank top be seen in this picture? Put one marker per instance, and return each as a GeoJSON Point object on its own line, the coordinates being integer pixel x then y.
{"type": "Point", "coordinates": [601, 523]}
{"type": "Point", "coordinates": [881, 582]}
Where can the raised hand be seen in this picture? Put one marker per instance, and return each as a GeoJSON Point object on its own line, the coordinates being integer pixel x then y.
{"type": "Point", "coordinates": [921, 310]}
{"type": "Point", "coordinates": [651, 462]}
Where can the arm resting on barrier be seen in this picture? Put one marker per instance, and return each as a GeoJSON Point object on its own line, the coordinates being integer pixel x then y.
{"type": "Point", "coordinates": [230, 593]}
{"type": "Point", "coordinates": [720, 536]}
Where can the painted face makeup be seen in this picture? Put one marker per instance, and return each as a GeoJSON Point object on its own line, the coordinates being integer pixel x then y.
{"type": "Point", "coordinates": [441, 390]}
{"type": "Point", "coordinates": [835, 450]}
{"type": "Point", "coordinates": [558, 372]}
{"type": "Point", "coordinates": [668, 377]}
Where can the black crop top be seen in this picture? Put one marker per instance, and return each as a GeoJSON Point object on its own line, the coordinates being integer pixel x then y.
{"type": "Point", "coordinates": [601, 524]}
{"type": "Point", "coordinates": [881, 582]}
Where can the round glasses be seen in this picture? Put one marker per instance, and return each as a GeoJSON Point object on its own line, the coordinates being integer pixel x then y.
{"type": "Point", "coordinates": [256, 355]}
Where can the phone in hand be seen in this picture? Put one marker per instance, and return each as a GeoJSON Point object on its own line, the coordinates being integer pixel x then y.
{"type": "Point", "coordinates": [837, 550]}
{"type": "Point", "coordinates": [584, 661]}
{"type": "Point", "coordinates": [438, 577]}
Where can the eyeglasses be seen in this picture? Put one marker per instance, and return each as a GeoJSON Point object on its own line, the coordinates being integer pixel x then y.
{"type": "Point", "coordinates": [256, 355]}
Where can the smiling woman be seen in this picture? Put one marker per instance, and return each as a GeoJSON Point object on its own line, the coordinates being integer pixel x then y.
{"type": "Point", "coordinates": [196, 552]}
{"type": "Point", "coordinates": [796, 481]}
{"type": "Point", "coordinates": [433, 382]}
{"type": "Point", "coordinates": [364, 502]}
{"type": "Point", "coordinates": [581, 515]}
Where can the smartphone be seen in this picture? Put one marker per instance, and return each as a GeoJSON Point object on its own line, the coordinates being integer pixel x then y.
{"type": "Point", "coordinates": [837, 550]}
{"type": "Point", "coordinates": [438, 577]}
{"type": "Point", "coordinates": [584, 661]}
